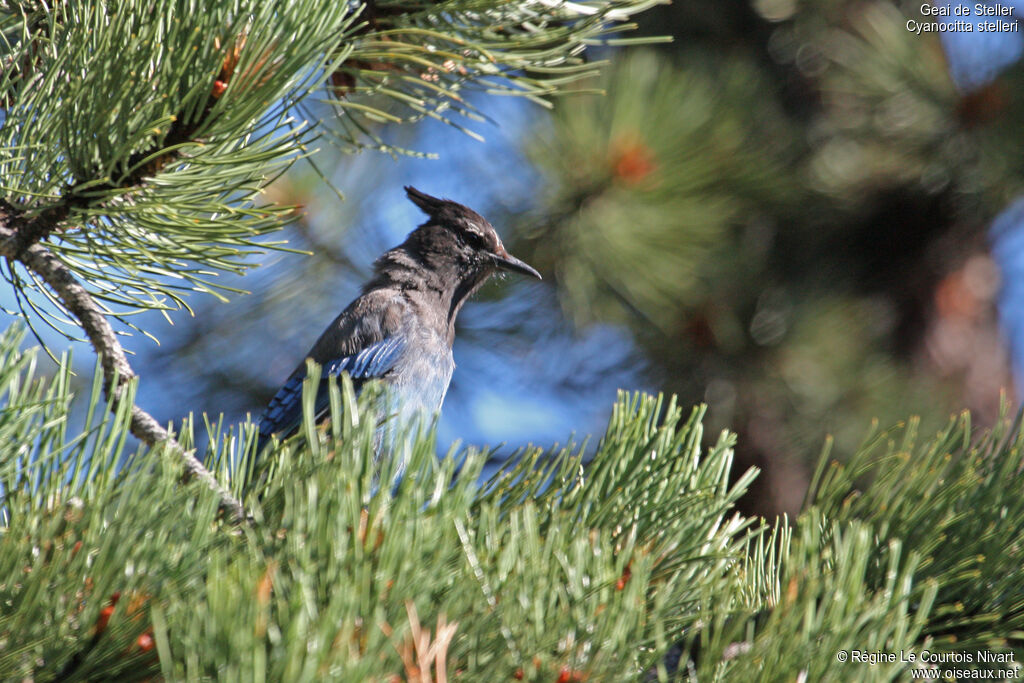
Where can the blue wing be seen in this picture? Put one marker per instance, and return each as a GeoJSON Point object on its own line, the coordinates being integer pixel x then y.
{"type": "Point", "coordinates": [284, 412]}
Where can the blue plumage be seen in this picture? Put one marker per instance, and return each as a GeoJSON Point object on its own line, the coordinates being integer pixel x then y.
{"type": "Point", "coordinates": [284, 412]}
{"type": "Point", "coordinates": [401, 328]}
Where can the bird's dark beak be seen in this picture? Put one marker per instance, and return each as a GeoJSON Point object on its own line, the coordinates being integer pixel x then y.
{"type": "Point", "coordinates": [507, 261]}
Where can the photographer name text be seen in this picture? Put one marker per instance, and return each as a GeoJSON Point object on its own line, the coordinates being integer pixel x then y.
{"type": "Point", "coordinates": [929, 657]}
{"type": "Point", "coordinates": [930, 665]}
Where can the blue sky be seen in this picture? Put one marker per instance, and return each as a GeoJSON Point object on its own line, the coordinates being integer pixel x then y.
{"type": "Point", "coordinates": [538, 384]}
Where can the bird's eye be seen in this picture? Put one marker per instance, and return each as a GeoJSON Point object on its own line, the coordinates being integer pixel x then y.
{"type": "Point", "coordinates": [474, 239]}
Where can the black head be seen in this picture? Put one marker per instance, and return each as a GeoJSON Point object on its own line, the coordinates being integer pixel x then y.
{"type": "Point", "coordinates": [457, 228]}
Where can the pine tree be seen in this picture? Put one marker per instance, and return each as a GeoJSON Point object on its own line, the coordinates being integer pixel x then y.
{"type": "Point", "coordinates": [135, 142]}
{"type": "Point", "coordinates": [138, 136]}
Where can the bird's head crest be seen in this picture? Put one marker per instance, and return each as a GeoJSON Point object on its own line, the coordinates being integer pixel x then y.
{"type": "Point", "coordinates": [472, 230]}
{"type": "Point", "coordinates": [458, 218]}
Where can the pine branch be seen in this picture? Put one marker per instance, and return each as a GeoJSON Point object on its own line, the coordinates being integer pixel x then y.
{"type": "Point", "coordinates": [154, 155]}
{"type": "Point", "coordinates": [117, 372]}
{"type": "Point", "coordinates": [414, 60]}
{"type": "Point", "coordinates": [102, 553]}
{"type": "Point", "coordinates": [24, 231]}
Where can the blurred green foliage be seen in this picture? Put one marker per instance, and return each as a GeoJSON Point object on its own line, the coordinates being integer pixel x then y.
{"type": "Point", "coordinates": [787, 209]}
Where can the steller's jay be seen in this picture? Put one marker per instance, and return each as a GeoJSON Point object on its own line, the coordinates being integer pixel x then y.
{"type": "Point", "coordinates": [401, 328]}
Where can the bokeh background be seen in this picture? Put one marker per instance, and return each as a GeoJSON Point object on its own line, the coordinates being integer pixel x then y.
{"type": "Point", "coordinates": [800, 213]}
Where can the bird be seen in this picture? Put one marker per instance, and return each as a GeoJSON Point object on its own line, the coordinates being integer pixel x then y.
{"type": "Point", "coordinates": [400, 329]}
